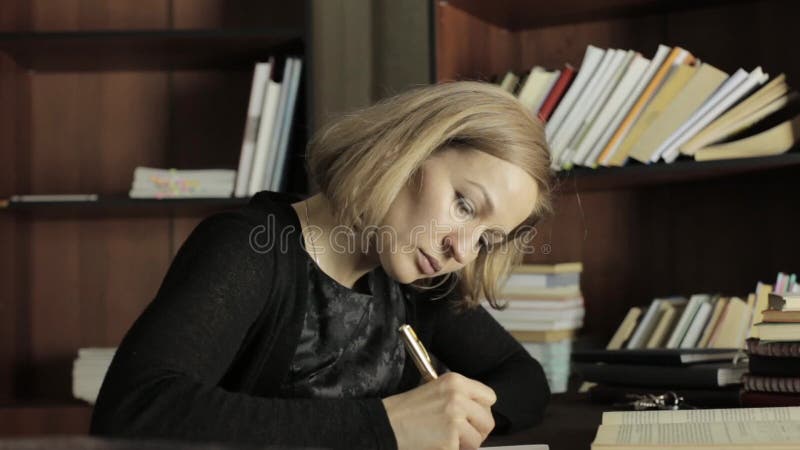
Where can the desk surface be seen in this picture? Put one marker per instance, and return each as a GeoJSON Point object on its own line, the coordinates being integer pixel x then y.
{"type": "Point", "coordinates": [570, 423]}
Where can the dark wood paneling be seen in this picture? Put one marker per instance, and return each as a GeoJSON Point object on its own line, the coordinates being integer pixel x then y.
{"type": "Point", "coordinates": [63, 15]}
{"type": "Point", "coordinates": [236, 13]}
{"type": "Point", "coordinates": [14, 175]}
{"type": "Point", "coordinates": [525, 14]}
{"type": "Point", "coordinates": [470, 48]}
{"type": "Point", "coordinates": [209, 110]}
{"type": "Point", "coordinates": [720, 235]}
{"type": "Point", "coordinates": [44, 420]}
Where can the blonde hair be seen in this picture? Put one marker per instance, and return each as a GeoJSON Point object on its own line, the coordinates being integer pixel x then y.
{"type": "Point", "coordinates": [362, 161]}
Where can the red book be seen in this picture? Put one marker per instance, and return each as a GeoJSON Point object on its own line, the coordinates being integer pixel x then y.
{"type": "Point", "coordinates": [559, 88]}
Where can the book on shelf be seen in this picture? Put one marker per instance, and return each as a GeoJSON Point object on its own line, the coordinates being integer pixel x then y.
{"type": "Point", "coordinates": [557, 93]}
{"type": "Point", "coordinates": [40, 198]}
{"type": "Point", "coordinates": [699, 375]}
{"type": "Point", "coordinates": [267, 130]}
{"type": "Point", "coordinates": [88, 371]}
{"type": "Point", "coordinates": [622, 106]}
{"type": "Point", "coordinates": [726, 428]}
{"type": "Point", "coordinates": [171, 183]}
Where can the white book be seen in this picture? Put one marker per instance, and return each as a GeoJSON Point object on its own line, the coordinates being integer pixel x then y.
{"type": "Point", "coordinates": [681, 57]}
{"type": "Point", "coordinates": [272, 149]}
{"type": "Point", "coordinates": [541, 304]}
{"type": "Point", "coordinates": [561, 138]}
{"type": "Point", "coordinates": [646, 326]}
{"type": "Point", "coordinates": [537, 315]}
{"type": "Point", "coordinates": [607, 116]}
{"type": "Point", "coordinates": [257, 89]}
{"type": "Point", "coordinates": [151, 194]}
{"type": "Point", "coordinates": [541, 280]}
{"type": "Point", "coordinates": [697, 326]}
{"type": "Point", "coordinates": [286, 126]}
{"type": "Point", "coordinates": [542, 325]}
{"type": "Point", "coordinates": [682, 326]}
{"type": "Point", "coordinates": [618, 69]}
{"type": "Point", "coordinates": [145, 173]}
{"type": "Point", "coordinates": [723, 90]}
{"type": "Point", "coordinates": [535, 82]}
{"type": "Point", "coordinates": [591, 59]}
{"type": "Point", "coordinates": [265, 130]}
{"type": "Point", "coordinates": [653, 65]}
{"type": "Point", "coordinates": [756, 78]}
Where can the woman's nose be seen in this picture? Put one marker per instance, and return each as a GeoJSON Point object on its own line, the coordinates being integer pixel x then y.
{"type": "Point", "coordinates": [460, 245]}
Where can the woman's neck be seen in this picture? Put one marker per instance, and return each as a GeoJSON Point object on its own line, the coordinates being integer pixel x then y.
{"type": "Point", "coordinates": [335, 247]}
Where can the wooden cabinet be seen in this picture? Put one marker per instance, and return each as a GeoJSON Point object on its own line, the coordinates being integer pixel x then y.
{"type": "Point", "coordinates": [88, 91]}
{"type": "Point", "coordinates": [646, 231]}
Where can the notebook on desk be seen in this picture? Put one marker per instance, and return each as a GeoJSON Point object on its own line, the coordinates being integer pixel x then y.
{"type": "Point", "coordinates": [740, 428]}
{"type": "Point", "coordinates": [520, 447]}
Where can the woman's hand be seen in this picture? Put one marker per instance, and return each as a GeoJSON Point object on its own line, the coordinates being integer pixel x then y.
{"type": "Point", "coordinates": [450, 412]}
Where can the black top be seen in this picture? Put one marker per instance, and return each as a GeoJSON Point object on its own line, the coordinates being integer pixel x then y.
{"type": "Point", "coordinates": [207, 358]}
{"type": "Point", "coordinates": [349, 346]}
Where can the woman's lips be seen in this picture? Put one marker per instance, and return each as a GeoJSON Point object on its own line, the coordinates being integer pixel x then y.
{"type": "Point", "coordinates": [428, 264]}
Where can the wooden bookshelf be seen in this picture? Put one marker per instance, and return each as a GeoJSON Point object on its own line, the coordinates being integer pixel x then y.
{"type": "Point", "coordinates": [148, 49]}
{"type": "Point", "coordinates": [644, 231]}
{"type": "Point", "coordinates": [87, 95]}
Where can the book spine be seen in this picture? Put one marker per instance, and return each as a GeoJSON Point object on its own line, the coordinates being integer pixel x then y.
{"type": "Point", "coordinates": [775, 349]}
{"type": "Point", "coordinates": [771, 384]}
{"type": "Point", "coordinates": [557, 93]}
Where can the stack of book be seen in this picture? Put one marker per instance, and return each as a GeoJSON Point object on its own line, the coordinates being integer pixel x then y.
{"type": "Point", "coordinates": [544, 310]}
{"type": "Point", "coordinates": [88, 371]}
{"type": "Point", "coordinates": [773, 352]}
{"type": "Point", "coordinates": [676, 344]}
{"type": "Point", "coordinates": [623, 106]}
{"type": "Point", "coordinates": [170, 183]}
{"type": "Point", "coordinates": [262, 159]}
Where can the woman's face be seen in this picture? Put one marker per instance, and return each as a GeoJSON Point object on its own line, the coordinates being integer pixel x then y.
{"type": "Point", "coordinates": [465, 199]}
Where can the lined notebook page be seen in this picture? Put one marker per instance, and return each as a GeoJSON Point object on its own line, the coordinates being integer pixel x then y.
{"type": "Point", "coordinates": [791, 413]}
{"type": "Point", "coordinates": [520, 447]}
{"type": "Point", "coordinates": [761, 435]}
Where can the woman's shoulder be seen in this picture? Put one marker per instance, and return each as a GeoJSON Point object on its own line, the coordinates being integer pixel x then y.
{"type": "Point", "coordinates": [266, 220]}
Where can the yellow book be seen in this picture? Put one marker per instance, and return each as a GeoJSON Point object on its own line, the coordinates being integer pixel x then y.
{"type": "Point", "coordinates": [641, 102]}
{"type": "Point", "coordinates": [761, 304]}
{"type": "Point", "coordinates": [733, 119]}
{"type": "Point", "coordinates": [719, 306]}
{"type": "Point", "coordinates": [668, 314]}
{"type": "Point", "coordinates": [543, 336]}
{"type": "Point", "coordinates": [677, 79]}
{"type": "Point", "coordinates": [706, 80]}
{"type": "Point", "coordinates": [726, 334]}
{"type": "Point", "coordinates": [625, 329]}
{"type": "Point", "coordinates": [567, 267]}
{"type": "Point", "coordinates": [774, 141]}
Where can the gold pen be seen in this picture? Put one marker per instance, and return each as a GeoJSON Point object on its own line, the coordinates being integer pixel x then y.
{"type": "Point", "coordinates": [418, 353]}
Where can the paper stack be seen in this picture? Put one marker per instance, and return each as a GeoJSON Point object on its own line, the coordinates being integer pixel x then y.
{"type": "Point", "coordinates": [89, 370]}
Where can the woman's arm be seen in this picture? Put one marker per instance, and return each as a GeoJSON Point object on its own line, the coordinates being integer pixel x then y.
{"type": "Point", "coordinates": [163, 381]}
{"type": "Point", "coordinates": [473, 344]}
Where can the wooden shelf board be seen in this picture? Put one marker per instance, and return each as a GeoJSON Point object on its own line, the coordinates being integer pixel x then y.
{"type": "Point", "coordinates": [148, 49]}
{"type": "Point", "coordinates": [525, 14]}
{"type": "Point", "coordinates": [611, 178]}
{"type": "Point", "coordinates": [120, 204]}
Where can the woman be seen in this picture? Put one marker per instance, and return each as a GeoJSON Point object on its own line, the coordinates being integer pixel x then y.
{"type": "Point", "coordinates": [277, 323]}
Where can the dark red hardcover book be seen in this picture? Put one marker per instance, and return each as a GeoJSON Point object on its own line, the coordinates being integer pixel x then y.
{"type": "Point", "coordinates": [559, 88]}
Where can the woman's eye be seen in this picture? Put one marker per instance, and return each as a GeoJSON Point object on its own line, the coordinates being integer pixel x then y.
{"type": "Point", "coordinates": [464, 206]}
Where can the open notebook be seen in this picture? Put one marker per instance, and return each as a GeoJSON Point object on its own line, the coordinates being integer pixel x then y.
{"type": "Point", "coordinates": [520, 447]}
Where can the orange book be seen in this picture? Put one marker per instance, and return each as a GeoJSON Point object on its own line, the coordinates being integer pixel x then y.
{"type": "Point", "coordinates": [643, 99]}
